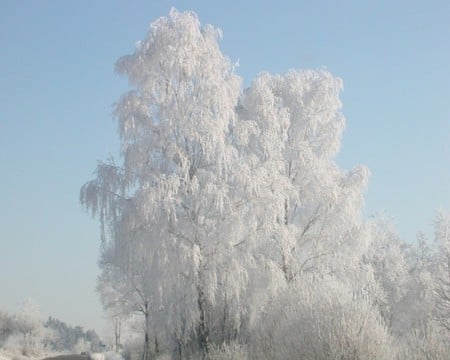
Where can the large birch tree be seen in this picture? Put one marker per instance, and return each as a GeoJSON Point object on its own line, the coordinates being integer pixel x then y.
{"type": "Point", "coordinates": [166, 208]}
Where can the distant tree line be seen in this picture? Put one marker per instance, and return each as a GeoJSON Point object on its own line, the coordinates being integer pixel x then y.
{"type": "Point", "coordinates": [68, 337]}
{"type": "Point", "coordinates": [26, 333]}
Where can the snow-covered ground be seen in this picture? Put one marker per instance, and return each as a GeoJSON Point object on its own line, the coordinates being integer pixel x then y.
{"type": "Point", "coordinates": [7, 355]}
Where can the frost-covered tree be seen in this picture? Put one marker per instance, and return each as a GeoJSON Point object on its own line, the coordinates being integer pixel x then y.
{"type": "Point", "coordinates": [66, 337]}
{"type": "Point", "coordinates": [29, 325]}
{"type": "Point", "coordinates": [442, 273]}
{"type": "Point", "coordinates": [293, 127]}
{"type": "Point", "coordinates": [33, 337]}
{"type": "Point", "coordinates": [167, 209]}
{"type": "Point", "coordinates": [401, 283]}
{"type": "Point", "coordinates": [390, 284]}
{"type": "Point", "coordinates": [428, 305]}
{"type": "Point", "coordinates": [124, 291]}
{"type": "Point", "coordinates": [71, 338]}
{"type": "Point", "coordinates": [116, 299]}
{"type": "Point", "coordinates": [6, 326]}
{"type": "Point", "coordinates": [306, 210]}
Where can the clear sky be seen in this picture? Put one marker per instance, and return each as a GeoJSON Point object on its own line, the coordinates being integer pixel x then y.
{"type": "Point", "coordinates": [58, 87]}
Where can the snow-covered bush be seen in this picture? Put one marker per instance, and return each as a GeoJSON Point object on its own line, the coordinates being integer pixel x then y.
{"type": "Point", "coordinates": [6, 327]}
{"type": "Point", "coordinates": [4, 355]}
{"type": "Point", "coordinates": [112, 355]}
{"type": "Point", "coordinates": [29, 335]}
{"type": "Point", "coordinates": [97, 356]}
{"type": "Point", "coordinates": [431, 342]}
{"type": "Point", "coordinates": [132, 349]}
{"type": "Point", "coordinates": [232, 351]}
{"type": "Point", "coordinates": [321, 319]}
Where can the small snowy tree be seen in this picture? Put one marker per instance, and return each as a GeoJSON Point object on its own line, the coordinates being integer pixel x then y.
{"type": "Point", "coordinates": [442, 274]}
{"type": "Point", "coordinates": [6, 326]}
{"type": "Point", "coordinates": [390, 269]}
{"type": "Point", "coordinates": [117, 294]}
{"type": "Point", "coordinates": [33, 337]}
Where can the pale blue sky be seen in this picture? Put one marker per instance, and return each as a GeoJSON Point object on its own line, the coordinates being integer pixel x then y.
{"type": "Point", "coordinates": [58, 87]}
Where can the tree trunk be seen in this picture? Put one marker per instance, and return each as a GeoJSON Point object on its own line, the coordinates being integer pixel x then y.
{"type": "Point", "coordinates": [286, 212]}
{"type": "Point", "coordinates": [203, 328]}
{"type": "Point", "coordinates": [225, 331]}
{"type": "Point", "coordinates": [146, 351]}
{"type": "Point", "coordinates": [117, 328]}
{"type": "Point", "coordinates": [156, 345]}
{"type": "Point", "coordinates": [179, 349]}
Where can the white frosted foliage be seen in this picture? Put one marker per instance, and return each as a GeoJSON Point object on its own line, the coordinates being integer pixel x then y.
{"type": "Point", "coordinates": [228, 227]}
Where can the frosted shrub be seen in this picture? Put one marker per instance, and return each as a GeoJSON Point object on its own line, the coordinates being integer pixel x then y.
{"type": "Point", "coordinates": [111, 355]}
{"type": "Point", "coordinates": [132, 350]}
{"type": "Point", "coordinates": [32, 337]}
{"type": "Point", "coordinates": [321, 319]}
{"type": "Point", "coordinates": [97, 356]}
{"type": "Point", "coordinates": [17, 344]}
{"type": "Point", "coordinates": [14, 344]}
{"type": "Point", "coordinates": [229, 352]}
{"type": "Point", "coordinates": [429, 343]}
{"type": "Point", "coordinates": [6, 327]}
{"type": "Point", "coordinates": [4, 356]}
